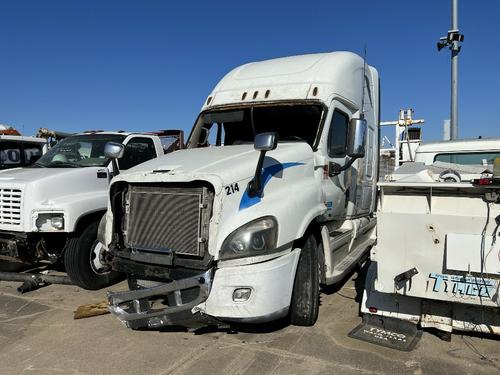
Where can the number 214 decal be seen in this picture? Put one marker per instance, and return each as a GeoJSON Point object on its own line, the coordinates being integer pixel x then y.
{"type": "Point", "coordinates": [231, 189]}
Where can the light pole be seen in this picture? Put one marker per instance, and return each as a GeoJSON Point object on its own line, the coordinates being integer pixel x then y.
{"type": "Point", "coordinates": [452, 40]}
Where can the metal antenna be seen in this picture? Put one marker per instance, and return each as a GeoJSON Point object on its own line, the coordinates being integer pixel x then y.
{"type": "Point", "coordinates": [363, 84]}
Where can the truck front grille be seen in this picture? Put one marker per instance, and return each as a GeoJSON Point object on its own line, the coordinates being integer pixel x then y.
{"type": "Point", "coordinates": [10, 206]}
{"type": "Point", "coordinates": [167, 219]}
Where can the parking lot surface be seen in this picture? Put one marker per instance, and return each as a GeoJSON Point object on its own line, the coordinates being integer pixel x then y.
{"type": "Point", "coordinates": [39, 335]}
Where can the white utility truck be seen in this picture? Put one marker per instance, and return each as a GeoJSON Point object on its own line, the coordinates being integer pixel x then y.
{"type": "Point", "coordinates": [437, 259]}
{"type": "Point", "coordinates": [274, 195]}
{"type": "Point", "coordinates": [480, 152]}
{"type": "Point", "coordinates": [50, 211]}
{"type": "Point", "coordinates": [17, 150]}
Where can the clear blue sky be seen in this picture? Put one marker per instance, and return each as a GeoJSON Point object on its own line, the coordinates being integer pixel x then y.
{"type": "Point", "coordinates": [147, 65]}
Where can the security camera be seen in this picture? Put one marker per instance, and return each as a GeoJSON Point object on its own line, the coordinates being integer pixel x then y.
{"type": "Point", "coordinates": [454, 36]}
{"type": "Point", "coordinates": [441, 44]}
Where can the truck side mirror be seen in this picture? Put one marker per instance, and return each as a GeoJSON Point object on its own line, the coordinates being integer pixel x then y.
{"type": "Point", "coordinates": [113, 151]}
{"type": "Point", "coordinates": [263, 142]}
{"type": "Point", "coordinates": [356, 138]}
{"type": "Point", "coordinates": [356, 134]}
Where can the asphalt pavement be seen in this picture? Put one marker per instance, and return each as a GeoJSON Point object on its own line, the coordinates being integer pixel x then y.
{"type": "Point", "coordinates": [39, 335]}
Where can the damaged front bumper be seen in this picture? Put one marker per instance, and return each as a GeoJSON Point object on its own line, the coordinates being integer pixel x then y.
{"type": "Point", "coordinates": [169, 304]}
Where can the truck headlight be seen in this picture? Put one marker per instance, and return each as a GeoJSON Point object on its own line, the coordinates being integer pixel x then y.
{"type": "Point", "coordinates": [257, 237]}
{"type": "Point", "coordinates": [50, 221]}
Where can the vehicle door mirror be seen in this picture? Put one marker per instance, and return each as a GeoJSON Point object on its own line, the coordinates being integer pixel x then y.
{"type": "Point", "coordinates": [265, 141]}
{"type": "Point", "coordinates": [356, 138]}
{"type": "Point", "coordinates": [114, 150]}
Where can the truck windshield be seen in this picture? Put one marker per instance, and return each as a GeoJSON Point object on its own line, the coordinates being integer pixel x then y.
{"type": "Point", "coordinates": [79, 151]}
{"type": "Point", "coordinates": [292, 122]}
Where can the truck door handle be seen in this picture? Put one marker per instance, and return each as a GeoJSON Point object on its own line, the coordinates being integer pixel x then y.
{"type": "Point", "coordinates": [102, 174]}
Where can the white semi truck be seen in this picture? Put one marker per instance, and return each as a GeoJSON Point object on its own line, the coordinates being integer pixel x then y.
{"type": "Point", "coordinates": [273, 196]}
{"type": "Point", "coordinates": [49, 212]}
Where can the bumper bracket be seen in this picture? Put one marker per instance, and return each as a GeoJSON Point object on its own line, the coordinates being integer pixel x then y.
{"type": "Point", "coordinates": [169, 304]}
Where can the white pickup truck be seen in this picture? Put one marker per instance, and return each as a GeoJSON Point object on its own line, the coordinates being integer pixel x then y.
{"type": "Point", "coordinates": [274, 195]}
{"type": "Point", "coordinates": [480, 152]}
{"type": "Point", "coordinates": [50, 211]}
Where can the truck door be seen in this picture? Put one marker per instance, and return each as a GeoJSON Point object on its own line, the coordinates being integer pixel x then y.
{"type": "Point", "coordinates": [338, 190]}
{"type": "Point", "coordinates": [367, 174]}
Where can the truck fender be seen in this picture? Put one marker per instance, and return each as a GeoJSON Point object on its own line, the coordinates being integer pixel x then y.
{"type": "Point", "coordinates": [88, 217]}
{"type": "Point", "coordinates": [322, 239]}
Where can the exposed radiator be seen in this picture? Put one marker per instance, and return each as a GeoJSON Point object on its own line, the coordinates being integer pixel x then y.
{"type": "Point", "coordinates": [167, 219]}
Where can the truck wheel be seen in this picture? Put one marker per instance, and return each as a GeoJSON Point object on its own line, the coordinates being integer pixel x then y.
{"type": "Point", "coordinates": [81, 264]}
{"type": "Point", "coordinates": [304, 306]}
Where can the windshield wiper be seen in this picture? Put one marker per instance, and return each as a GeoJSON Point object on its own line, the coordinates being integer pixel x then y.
{"type": "Point", "coordinates": [38, 165]}
{"type": "Point", "coordinates": [56, 164]}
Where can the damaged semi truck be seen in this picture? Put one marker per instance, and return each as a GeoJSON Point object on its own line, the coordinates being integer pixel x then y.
{"type": "Point", "coordinates": [273, 196]}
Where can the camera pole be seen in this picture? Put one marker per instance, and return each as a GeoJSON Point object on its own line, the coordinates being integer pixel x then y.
{"type": "Point", "coordinates": [452, 40]}
{"type": "Point", "coordinates": [455, 49]}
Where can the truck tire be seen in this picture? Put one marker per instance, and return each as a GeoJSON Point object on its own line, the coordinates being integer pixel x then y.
{"type": "Point", "coordinates": [304, 306]}
{"type": "Point", "coordinates": [77, 261]}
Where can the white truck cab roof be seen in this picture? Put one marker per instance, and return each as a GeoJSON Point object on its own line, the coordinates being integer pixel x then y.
{"type": "Point", "coordinates": [90, 132]}
{"type": "Point", "coordinates": [461, 145]}
{"type": "Point", "coordinates": [21, 138]}
{"type": "Point", "coordinates": [295, 77]}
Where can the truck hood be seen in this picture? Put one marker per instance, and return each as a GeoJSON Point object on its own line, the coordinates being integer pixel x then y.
{"type": "Point", "coordinates": [228, 163]}
{"type": "Point", "coordinates": [44, 185]}
{"type": "Point", "coordinates": [25, 175]}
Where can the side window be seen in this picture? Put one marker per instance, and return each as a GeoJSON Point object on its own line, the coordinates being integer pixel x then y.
{"type": "Point", "coordinates": [337, 136]}
{"type": "Point", "coordinates": [137, 151]}
{"type": "Point", "coordinates": [469, 158]}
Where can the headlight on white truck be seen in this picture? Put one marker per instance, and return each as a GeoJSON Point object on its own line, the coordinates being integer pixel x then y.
{"type": "Point", "coordinates": [257, 237]}
{"type": "Point", "coordinates": [50, 221]}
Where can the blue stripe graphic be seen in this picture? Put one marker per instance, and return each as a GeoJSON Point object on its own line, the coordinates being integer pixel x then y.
{"type": "Point", "coordinates": [267, 174]}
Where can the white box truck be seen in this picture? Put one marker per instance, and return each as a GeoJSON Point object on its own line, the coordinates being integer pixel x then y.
{"type": "Point", "coordinates": [273, 196]}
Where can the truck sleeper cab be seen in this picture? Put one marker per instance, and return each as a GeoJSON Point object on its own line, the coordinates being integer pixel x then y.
{"type": "Point", "coordinates": [273, 196]}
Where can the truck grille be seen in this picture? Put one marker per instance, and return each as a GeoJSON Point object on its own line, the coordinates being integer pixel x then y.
{"type": "Point", "coordinates": [10, 206]}
{"type": "Point", "coordinates": [167, 219]}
